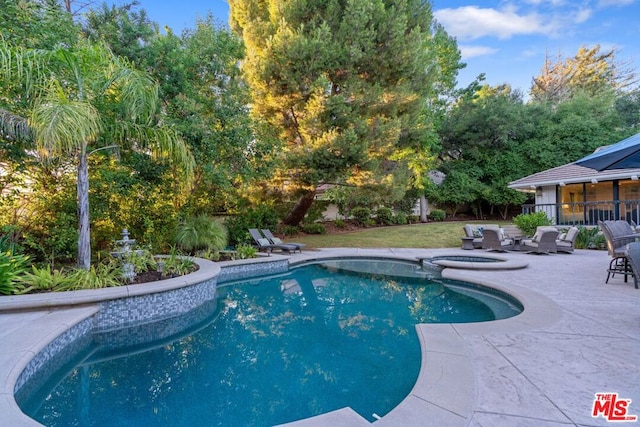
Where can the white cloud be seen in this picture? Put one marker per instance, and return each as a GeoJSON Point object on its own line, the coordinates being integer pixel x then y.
{"type": "Point", "coordinates": [472, 22]}
{"type": "Point", "coordinates": [606, 3]}
{"type": "Point", "coordinates": [542, 2]}
{"type": "Point", "coordinates": [582, 15]}
{"type": "Point", "coordinates": [469, 51]}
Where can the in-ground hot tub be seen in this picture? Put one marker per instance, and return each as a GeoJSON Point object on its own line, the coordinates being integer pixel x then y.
{"type": "Point", "coordinates": [475, 262]}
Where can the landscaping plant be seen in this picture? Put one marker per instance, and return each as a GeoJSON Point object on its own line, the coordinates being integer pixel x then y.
{"type": "Point", "coordinates": [11, 266]}
{"type": "Point", "coordinates": [45, 280]}
{"type": "Point", "coordinates": [589, 238]}
{"type": "Point", "coordinates": [245, 251]}
{"type": "Point", "coordinates": [437, 215]}
{"type": "Point", "coordinates": [314, 228]}
{"type": "Point", "coordinates": [529, 222]}
{"type": "Point", "coordinates": [384, 216]}
{"type": "Point", "coordinates": [361, 215]}
{"type": "Point", "coordinates": [200, 233]}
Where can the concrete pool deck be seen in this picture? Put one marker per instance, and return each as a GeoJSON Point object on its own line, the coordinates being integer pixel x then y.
{"type": "Point", "coordinates": [577, 337]}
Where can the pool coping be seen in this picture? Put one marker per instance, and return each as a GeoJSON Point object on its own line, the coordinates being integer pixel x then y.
{"type": "Point", "coordinates": [447, 390]}
{"type": "Point", "coordinates": [503, 263]}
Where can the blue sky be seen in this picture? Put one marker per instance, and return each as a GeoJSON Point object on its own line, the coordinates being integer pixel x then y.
{"type": "Point", "coordinates": [505, 40]}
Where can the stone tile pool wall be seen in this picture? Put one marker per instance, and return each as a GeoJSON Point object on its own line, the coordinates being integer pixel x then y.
{"type": "Point", "coordinates": [55, 355]}
{"type": "Point", "coordinates": [116, 314]}
{"type": "Point", "coordinates": [124, 312]}
{"type": "Point", "coordinates": [233, 272]}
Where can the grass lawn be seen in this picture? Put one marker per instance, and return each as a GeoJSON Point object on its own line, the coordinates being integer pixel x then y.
{"type": "Point", "coordinates": [430, 235]}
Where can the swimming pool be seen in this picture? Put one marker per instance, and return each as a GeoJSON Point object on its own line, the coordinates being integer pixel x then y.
{"type": "Point", "coordinates": [318, 338]}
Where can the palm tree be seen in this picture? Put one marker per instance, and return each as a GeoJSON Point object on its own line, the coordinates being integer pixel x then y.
{"type": "Point", "coordinates": [85, 99]}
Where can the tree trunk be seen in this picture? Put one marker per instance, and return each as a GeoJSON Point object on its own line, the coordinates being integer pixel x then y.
{"type": "Point", "coordinates": [423, 208]}
{"type": "Point", "coordinates": [298, 212]}
{"type": "Point", "coordinates": [84, 237]}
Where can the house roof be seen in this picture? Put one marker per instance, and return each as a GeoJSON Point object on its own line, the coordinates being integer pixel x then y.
{"type": "Point", "coordinates": [571, 174]}
{"type": "Point", "coordinates": [617, 161]}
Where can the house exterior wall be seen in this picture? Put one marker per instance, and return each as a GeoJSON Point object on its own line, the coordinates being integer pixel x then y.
{"type": "Point", "coordinates": [587, 203]}
{"type": "Point", "coordinates": [546, 198]}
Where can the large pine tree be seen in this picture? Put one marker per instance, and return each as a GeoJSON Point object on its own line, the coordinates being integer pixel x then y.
{"type": "Point", "coordinates": [348, 86]}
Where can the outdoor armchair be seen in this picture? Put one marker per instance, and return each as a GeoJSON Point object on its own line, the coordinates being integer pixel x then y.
{"type": "Point", "coordinates": [566, 241]}
{"type": "Point", "coordinates": [494, 239]}
{"type": "Point", "coordinates": [542, 242]}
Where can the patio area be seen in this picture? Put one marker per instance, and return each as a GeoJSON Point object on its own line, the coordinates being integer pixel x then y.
{"type": "Point", "coordinates": [577, 337]}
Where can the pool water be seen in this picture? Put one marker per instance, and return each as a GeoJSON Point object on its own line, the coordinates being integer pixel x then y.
{"type": "Point", "coordinates": [319, 338]}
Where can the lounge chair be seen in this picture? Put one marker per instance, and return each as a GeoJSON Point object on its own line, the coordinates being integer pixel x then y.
{"type": "Point", "coordinates": [542, 242]}
{"type": "Point", "coordinates": [493, 239]}
{"type": "Point", "coordinates": [264, 245]}
{"type": "Point", "coordinates": [633, 257]}
{"type": "Point", "coordinates": [276, 241]}
{"type": "Point", "coordinates": [566, 241]}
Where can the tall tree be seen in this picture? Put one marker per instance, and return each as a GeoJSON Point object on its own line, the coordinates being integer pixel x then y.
{"type": "Point", "coordinates": [344, 85]}
{"type": "Point", "coordinates": [36, 24]}
{"type": "Point", "coordinates": [479, 140]}
{"type": "Point", "coordinates": [207, 100]}
{"type": "Point", "coordinates": [125, 30]}
{"type": "Point", "coordinates": [590, 71]}
{"type": "Point", "coordinates": [85, 99]}
{"type": "Point", "coordinates": [203, 94]}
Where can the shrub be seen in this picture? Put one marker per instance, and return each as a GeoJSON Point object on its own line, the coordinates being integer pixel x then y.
{"type": "Point", "coordinates": [142, 261]}
{"type": "Point", "coordinates": [589, 238]}
{"type": "Point", "coordinates": [401, 218]}
{"type": "Point", "coordinates": [361, 215]}
{"type": "Point", "coordinates": [177, 265]}
{"type": "Point", "coordinates": [288, 230]}
{"type": "Point", "coordinates": [384, 216]}
{"type": "Point", "coordinates": [437, 215]}
{"type": "Point", "coordinates": [245, 251]}
{"type": "Point", "coordinates": [201, 232]}
{"type": "Point", "coordinates": [340, 223]}
{"type": "Point", "coordinates": [314, 228]}
{"type": "Point", "coordinates": [211, 255]}
{"type": "Point", "coordinates": [529, 222]}
{"type": "Point", "coordinates": [239, 225]}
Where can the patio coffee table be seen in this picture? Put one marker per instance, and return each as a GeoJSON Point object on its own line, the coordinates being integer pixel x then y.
{"type": "Point", "coordinates": [516, 242]}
